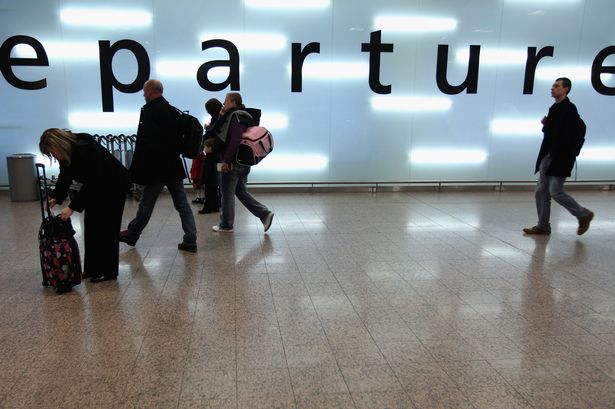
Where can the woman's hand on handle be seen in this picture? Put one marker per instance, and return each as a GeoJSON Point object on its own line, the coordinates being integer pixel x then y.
{"type": "Point", "coordinates": [66, 213]}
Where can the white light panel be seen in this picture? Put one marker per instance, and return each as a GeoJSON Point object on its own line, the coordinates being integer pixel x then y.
{"type": "Point", "coordinates": [516, 127]}
{"type": "Point", "coordinates": [105, 17]}
{"type": "Point", "coordinates": [490, 56]}
{"type": "Point", "coordinates": [288, 4]}
{"type": "Point", "coordinates": [334, 70]}
{"type": "Point", "coordinates": [261, 42]}
{"type": "Point", "coordinates": [104, 121]}
{"type": "Point", "coordinates": [600, 154]}
{"type": "Point", "coordinates": [294, 163]}
{"type": "Point", "coordinates": [575, 73]}
{"type": "Point", "coordinates": [66, 50]}
{"type": "Point", "coordinates": [415, 104]}
{"type": "Point", "coordinates": [445, 157]}
{"type": "Point", "coordinates": [189, 69]}
{"type": "Point", "coordinates": [414, 24]}
{"type": "Point", "coordinates": [274, 121]}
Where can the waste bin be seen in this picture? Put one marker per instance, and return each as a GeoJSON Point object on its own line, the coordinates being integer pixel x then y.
{"type": "Point", "coordinates": [22, 177]}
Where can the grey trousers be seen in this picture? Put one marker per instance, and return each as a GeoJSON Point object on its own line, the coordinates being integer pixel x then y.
{"type": "Point", "coordinates": [553, 187]}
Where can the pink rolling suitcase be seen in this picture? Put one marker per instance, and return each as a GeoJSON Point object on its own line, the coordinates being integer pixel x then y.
{"type": "Point", "coordinates": [59, 252]}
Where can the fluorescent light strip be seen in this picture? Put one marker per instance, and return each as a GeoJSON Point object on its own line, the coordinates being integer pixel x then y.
{"type": "Point", "coordinates": [113, 18]}
{"type": "Point", "coordinates": [293, 163]}
{"type": "Point", "coordinates": [273, 121]}
{"type": "Point", "coordinates": [74, 51]}
{"type": "Point", "coordinates": [189, 68]}
{"type": "Point", "coordinates": [604, 154]}
{"type": "Point", "coordinates": [447, 156]}
{"type": "Point", "coordinates": [575, 73]}
{"type": "Point", "coordinates": [494, 57]}
{"type": "Point", "coordinates": [96, 121]}
{"type": "Point", "coordinates": [516, 127]}
{"type": "Point", "coordinates": [534, 2]}
{"type": "Point", "coordinates": [250, 41]}
{"type": "Point", "coordinates": [334, 70]}
{"type": "Point", "coordinates": [414, 104]}
{"type": "Point", "coordinates": [414, 24]}
{"type": "Point", "coordinates": [288, 4]}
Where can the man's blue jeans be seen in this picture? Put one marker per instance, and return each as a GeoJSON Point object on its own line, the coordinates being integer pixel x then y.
{"type": "Point", "coordinates": [234, 183]}
{"type": "Point", "coordinates": [553, 187]}
{"type": "Point", "coordinates": [146, 207]}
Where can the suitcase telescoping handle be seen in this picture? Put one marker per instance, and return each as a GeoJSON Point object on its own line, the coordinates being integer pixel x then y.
{"type": "Point", "coordinates": [43, 190]}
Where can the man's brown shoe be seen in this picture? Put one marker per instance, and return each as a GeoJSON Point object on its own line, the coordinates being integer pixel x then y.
{"type": "Point", "coordinates": [584, 223]}
{"type": "Point", "coordinates": [536, 230]}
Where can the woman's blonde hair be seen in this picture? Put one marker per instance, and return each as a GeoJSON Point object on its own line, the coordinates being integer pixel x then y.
{"type": "Point", "coordinates": [57, 141]}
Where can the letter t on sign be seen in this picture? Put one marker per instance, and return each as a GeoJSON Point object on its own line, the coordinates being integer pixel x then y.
{"type": "Point", "coordinates": [375, 47]}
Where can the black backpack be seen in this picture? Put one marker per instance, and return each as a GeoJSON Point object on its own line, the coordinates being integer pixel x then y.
{"type": "Point", "coordinates": [190, 134]}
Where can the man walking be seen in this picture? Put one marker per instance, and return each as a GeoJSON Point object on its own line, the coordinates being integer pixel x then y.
{"type": "Point", "coordinates": [156, 164]}
{"type": "Point", "coordinates": [560, 146]}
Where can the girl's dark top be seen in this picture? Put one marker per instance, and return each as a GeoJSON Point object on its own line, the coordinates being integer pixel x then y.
{"type": "Point", "coordinates": [209, 171]}
{"type": "Point", "coordinates": [102, 176]}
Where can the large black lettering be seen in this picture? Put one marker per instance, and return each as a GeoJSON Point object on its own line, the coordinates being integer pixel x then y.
{"type": "Point", "coordinates": [108, 81]}
{"type": "Point", "coordinates": [375, 48]}
{"type": "Point", "coordinates": [530, 66]}
{"type": "Point", "coordinates": [7, 62]}
{"type": "Point", "coordinates": [598, 68]}
{"type": "Point", "coordinates": [471, 81]}
{"type": "Point", "coordinates": [232, 63]}
{"type": "Point", "coordinates": [296, 67]}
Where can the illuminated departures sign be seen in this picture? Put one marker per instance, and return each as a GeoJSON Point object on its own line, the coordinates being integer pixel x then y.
{"type": "Point", "coordinates": [299, 54]}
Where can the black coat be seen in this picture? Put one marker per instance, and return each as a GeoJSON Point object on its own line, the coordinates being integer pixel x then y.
{"type": "Point", "coordinates": [560, 139]}
{"type": "Point", "coordinates": [156, 158]}
{"type": "Point", "coordinates": [99, 172]}
{"type": "Point", "coordinates": [102, 195]}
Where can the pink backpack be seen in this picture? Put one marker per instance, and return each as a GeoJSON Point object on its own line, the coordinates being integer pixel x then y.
{"type": "Point", "coordinates": [256, 143]}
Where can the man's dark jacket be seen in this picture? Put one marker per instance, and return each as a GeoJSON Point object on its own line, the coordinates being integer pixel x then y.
{"type": "Point", "coordinates": [156, 158]}
{"type": "Point", "coordinates": [560, 139]}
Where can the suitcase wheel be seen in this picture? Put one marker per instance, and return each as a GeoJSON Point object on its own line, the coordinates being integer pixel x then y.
{"type": "Point", "coordinates": [62, 290]}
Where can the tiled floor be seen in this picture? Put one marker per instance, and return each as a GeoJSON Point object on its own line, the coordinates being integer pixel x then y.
{"type": "Point", "coordinates": [352, 300]}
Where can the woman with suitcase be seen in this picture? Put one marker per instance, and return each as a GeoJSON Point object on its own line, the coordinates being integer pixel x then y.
{"type": "Point", "coordinates": [102, 196]}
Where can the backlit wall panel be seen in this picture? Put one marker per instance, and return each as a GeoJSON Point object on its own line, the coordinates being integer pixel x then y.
{"type": "Point", "coordinates": [352, 119]}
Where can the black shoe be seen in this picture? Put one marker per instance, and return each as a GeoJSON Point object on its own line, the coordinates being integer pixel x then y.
{"type": "Point", "coordinates": [126, 238]}
{"type": "Point", "coordinates": [100, 279]}
{"type": "Point", "coordinates": [584, 223]}
{"type": "Point", "coordinates": [267, 221]}
{"type": "Point", "coordinates": [86, 275]}
{"type": "Point", "coordinates": [191, 248]}
{"type": "Point", "coordinates": [536, 230]}
{"type": "Point", "coordinates": [198, 200]}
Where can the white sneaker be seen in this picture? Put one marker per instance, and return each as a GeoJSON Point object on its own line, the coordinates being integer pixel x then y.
{"type": "Point", "coordinates": [219, 229]}
{"type": "Point", "coordinates": [267, 221]}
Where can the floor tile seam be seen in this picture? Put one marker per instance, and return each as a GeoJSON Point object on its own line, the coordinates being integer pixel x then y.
{"type": "Point", "coordinates": [320, 324]}
{"type": "Point", "coordinates": [188, 346]}
{"type": "Point", "coordinates": [236, 346]}
{"type": "Point", "coordinates": [275, 309]}
{"type": "Point", "coordinates": [465, 393]}
{"type": "Point", "coordinates": [388, 365]}
{"type": "Point", "coordinates": [338, 367]}
{"type": "Point", "coordinates": [509, 384]}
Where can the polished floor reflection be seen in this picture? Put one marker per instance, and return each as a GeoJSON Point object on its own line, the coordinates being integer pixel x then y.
{"type": "Point", "coordinates": [352, 300]}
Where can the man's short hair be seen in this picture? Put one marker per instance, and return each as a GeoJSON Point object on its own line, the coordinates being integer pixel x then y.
{"type": "Point", "coordinates": [566, 83]}
{"type": "Point", "coordinates": [154, 85]}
